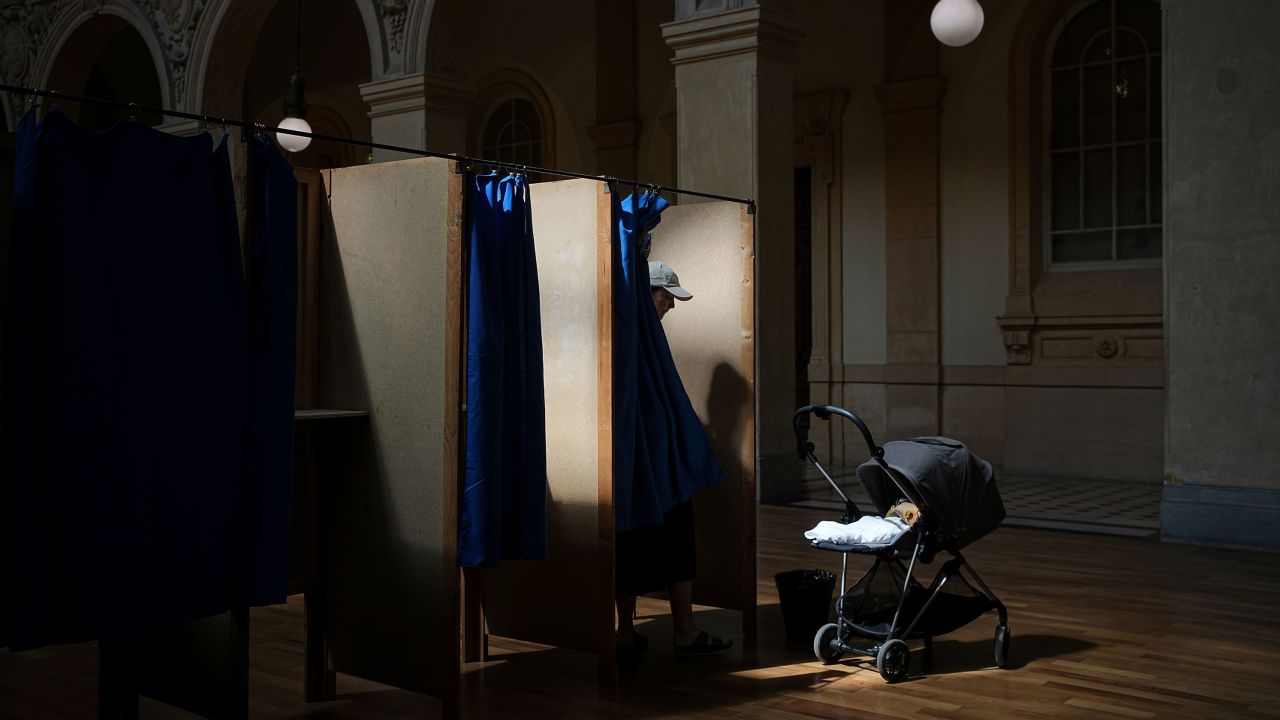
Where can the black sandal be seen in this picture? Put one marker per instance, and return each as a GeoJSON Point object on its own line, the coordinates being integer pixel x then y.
{"type": "Point", "coordinates": [704, 644]}
{"type": "Point", "coordinates": [627, 654]}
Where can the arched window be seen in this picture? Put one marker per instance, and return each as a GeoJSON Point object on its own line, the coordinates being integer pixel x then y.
{"type": "Point", "coordinates": [513, 133]}
{"type": "Point", "coordinates": [1102, 168]}
{"type": "Point", "coordinates": [511, 120]}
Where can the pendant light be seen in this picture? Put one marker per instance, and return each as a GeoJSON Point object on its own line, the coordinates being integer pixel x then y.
{"type": "Point", "coordinates": [956, 22]}
{"type": "Point", "coordinates": [295, 104]}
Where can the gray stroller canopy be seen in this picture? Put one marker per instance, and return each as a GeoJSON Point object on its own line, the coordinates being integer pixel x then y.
{"type": "Point", "coordinates": [955, 489]}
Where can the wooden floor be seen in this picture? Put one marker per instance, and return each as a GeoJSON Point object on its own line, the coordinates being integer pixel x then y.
{"type": "Point", "coordinates": [1102, 628]}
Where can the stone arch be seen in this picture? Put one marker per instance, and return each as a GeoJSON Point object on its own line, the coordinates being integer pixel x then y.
{"type": "Point", "coordinates": [226, 37]}
{"type": "Point", "coordinates": [78, 19]}
{"type": "Point", "coordinates": [418, 26]}
{"type": "Point", "coordinates": [435, 35]}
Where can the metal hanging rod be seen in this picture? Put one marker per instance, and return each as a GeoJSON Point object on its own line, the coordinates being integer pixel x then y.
{"type": "Point", "coordinates": [135, 109]}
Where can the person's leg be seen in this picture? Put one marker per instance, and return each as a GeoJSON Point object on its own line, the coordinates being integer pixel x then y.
{"type": "Point", "coordinates": [686, 637]}
{"type": "Point", "coordinates": [680, 595]}
{"type": "Point", "coordinates": [626, 620]}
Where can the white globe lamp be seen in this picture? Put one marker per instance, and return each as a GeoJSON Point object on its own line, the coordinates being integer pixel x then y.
{"type": "Point", "coordinates": [295, 102]}
{"type": "Point", "coordinates": [956, 22]}
{"type": "Point", "coordinates": [294, 143]}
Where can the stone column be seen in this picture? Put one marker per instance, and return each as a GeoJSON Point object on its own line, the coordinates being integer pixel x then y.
{"type": "Point", "coordinates": [735, 68]}
{"type": "Point", "coordinates": [397, 111]}
{"type": "Point", "coordinates": [911, 96]}
{"type": "Point", "coordinates": [1221, 261]}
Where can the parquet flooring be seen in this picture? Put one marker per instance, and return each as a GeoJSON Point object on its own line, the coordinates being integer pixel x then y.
{"type": "Point", "coordinates": [1103, 627]}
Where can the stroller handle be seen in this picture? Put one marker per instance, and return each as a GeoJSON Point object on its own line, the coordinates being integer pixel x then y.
{"type": "Point", "coordinates": [804, 448]}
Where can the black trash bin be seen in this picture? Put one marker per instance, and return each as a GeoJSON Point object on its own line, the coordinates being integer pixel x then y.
{"type": "Point", "coordinates": [805, 597]}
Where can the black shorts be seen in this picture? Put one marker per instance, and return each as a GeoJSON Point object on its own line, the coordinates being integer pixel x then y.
{"type": "Point", "coordinates": [652, 557]}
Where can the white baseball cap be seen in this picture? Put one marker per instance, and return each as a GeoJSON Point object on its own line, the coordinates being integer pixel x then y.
{"type": "Point", "coordinates": [661, 275]}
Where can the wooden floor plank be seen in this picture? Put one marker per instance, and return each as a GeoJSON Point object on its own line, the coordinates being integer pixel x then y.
{"type": "Point", "coordinates": [1102, 628]}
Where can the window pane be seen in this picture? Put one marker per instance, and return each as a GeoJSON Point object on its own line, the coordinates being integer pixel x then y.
{"type": "Point", "coordinates": [1066, 109]}
{"type": "Point", "coordinates": [492, 128]}
{"type": "Point", "coordinates": [1129, 44]}
{"type": "Point", "coordinates": [528, 115]}
{"type": "Point", "coordinates": [512, 133]}
{"type": "Point", "coordinates": [1064, 199]}
{"type": "Point", "coordinates": [1097, 188]}
{"type": "Point", "coordinates": [1138, 243]}
{"type": "Point", "coordinates": [1131, 185]}
{"type": "Point", "coordinates": [1143, 17]}
{"type": "Point", "coordinates": [535, 154]}
{"type": "Point", "coordinates": [1131, 100]}
{"type": "Point", "coordinates": [1079, 31]}
{"type": "Point", "coordinates": [1082, 246]}
{"type": "Point", "coordinates": [1098, 92]}
{"type": "Point", "coordinates": [1157, 189]}
{"type": "Point", "coordinates": [1099, 48]}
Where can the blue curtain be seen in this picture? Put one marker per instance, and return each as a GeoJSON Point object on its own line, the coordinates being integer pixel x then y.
{"type": "Point", "coordinates": [503, 512]}
{"type": "Point", "coordinates": [144, 457]}
{"type": "Point", "coordinates": [272, 270]}
{"type": "Point", "coordinates": [661, 454]}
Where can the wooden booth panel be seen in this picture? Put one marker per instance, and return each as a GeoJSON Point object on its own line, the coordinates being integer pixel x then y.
{"type": "Point", "coordinates": [389, 509]}
{"type": "Point", "coordinates": [566, 599]}
{"type": "Point", "coordinates": [711, 248]}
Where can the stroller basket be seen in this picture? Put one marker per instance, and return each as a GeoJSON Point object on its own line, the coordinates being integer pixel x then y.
{"type": "Point", "coordinates": [956, 495]}
{"type": "Point", "coordinates": [870, 605]}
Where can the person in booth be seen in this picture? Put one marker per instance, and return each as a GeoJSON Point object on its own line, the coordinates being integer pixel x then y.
{"type": "Point", "coordinates": [658, 557]}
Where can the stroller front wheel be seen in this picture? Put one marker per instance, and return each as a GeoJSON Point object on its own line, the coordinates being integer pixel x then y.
{"type": "Point", "coordinates": [1003, 635]}
{"type": "Point", "coordinates": [824, 644]}
{"type": "Point", "coordinates": [893, 661]}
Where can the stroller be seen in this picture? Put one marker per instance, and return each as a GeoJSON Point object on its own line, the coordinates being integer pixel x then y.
{"type": "Point", "coordinates": [958, 504]}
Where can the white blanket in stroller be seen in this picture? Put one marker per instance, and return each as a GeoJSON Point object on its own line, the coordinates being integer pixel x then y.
{"type": "Point", "coordinates": [867, 530]}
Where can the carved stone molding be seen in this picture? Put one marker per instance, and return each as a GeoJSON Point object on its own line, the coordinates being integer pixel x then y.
{"type": "Point", "coordinates": [1017, 345]}
{"type": "Point", "coordinates": [394, 13]}
{"type": "Point", "coordinates": [393, 96]}
{"type": "Point", "coordinates": [175, 24]}
{"type": "Point", "coordinates": [25, 27]}
{"type": "Point", "coordinates": [1136, 340]}
{"type": "Point", "coordinates": [752, 29]}
{"type": "Point", "coordinates": [819, 113]}
{"type": "Point", "coordinates": [1106, 346]}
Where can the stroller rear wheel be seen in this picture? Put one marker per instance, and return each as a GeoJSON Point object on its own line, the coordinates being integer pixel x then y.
{"type": "Point", "coordinates": [893, 661]}
{"type": "Point", "coordinates": [1003, 635]}
{"type": "Point", "coordinates": [824, 644]}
